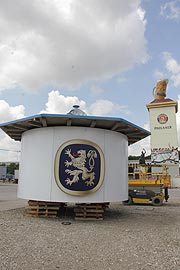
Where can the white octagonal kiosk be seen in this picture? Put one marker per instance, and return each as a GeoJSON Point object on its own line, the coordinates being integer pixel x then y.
{"type": "Point", "coordinates": [73, 158]}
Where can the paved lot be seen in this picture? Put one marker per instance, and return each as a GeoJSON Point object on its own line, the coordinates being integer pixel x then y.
{"type": "Point", "coordinates": [8, 197]}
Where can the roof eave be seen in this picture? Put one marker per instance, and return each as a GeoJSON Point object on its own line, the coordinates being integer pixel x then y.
{"type": "Point", "coordinates": [16, 128]}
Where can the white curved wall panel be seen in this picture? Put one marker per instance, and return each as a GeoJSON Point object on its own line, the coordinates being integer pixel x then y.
{"type": "Point", "coordinates": [41, 150]}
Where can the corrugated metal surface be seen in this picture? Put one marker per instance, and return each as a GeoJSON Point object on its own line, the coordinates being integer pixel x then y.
{"type": "Point", "coordinates": [15, 129]}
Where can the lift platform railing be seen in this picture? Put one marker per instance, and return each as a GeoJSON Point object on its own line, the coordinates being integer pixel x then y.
{"type": "Point", "coordinates": [139, 174]}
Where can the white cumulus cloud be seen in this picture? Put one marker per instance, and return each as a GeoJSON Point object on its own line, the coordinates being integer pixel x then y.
{"type": "Point", "coordinates": [9, 149]}
{"type": "Point", "coordinates": [68, 42]}
{"type": "Point", "coordinates": [58, 103]}
{"type": "Point", "coordinates": [107, 107]}
{"type": "Point", "coordinates": [173, 67]}
{"type": "Point", "coordinates": [8, 113]}
{"type": "Point", "coordinates": [171, 10]}
{"type": "Point", "coordinates": [136, 148]}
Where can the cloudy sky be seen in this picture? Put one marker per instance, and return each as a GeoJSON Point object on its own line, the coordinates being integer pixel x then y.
{"type": "Point", "coordinates": [104, 55]}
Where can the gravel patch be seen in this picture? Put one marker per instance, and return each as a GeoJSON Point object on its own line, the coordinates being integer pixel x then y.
{"type": "Point", "coordinates": [130, 238]}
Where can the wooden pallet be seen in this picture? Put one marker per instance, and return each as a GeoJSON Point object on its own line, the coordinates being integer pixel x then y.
{"type": "Point", "coordinates": [90, 211]}
{"type": "Point", "coordinates": [43, 209]}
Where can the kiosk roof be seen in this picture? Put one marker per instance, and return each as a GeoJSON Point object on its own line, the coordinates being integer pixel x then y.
{"type": "Point", "coordinates": [15, 128]}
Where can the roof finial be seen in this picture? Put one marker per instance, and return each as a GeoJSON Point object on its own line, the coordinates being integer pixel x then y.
{"type": "Point", "coordinates": [76, 111]}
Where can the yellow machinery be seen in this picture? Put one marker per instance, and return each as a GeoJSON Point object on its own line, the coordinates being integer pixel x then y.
{"type": "Point", "coordinates": [148, 183]}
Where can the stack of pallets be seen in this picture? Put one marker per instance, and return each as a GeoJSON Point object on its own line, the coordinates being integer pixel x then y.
{"type": "Point", "coordinates": [90, 211]}
{"type": "Point", "coordinates": [43, 209]}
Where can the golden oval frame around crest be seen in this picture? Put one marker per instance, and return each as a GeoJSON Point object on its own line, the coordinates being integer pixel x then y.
{"type": "Point", "coordinates": [101, 169]}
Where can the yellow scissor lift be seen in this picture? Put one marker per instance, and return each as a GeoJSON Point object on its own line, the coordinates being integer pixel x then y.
{"type": "Point", "coordinates": [148, 183]}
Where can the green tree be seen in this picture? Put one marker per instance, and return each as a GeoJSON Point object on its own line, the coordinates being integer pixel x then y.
{"type": "Point", "coordinates": [11, 167]}
{"type": "Point", "coordinates": [133, 157]}
{"type": "Point", "coordinates": [138, 157]}
{"type": "Point", "coordinates": [2, 164]}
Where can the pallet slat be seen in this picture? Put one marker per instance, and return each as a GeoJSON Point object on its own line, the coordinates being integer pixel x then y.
{"type": "Point", "coordinates": [94, 211]}
{"type": "Point", "coordinates": [43, 208]}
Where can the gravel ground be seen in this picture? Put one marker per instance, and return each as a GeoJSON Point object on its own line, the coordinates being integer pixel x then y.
{"type": "Point", "coordinates": [130, 238]}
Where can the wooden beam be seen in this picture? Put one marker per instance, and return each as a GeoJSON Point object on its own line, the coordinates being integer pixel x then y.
{"type": "Point", "coordinates": [69, 122]}
{"type": "Point", "coordinates": [44, 121]}
{"type": "Point", "coordinates": [35, 123]}
{"type": "Point", "coordinates": [115, 126]}
{"type": "Point", "coordinates": [18, 126]}
{"type": "Point", "coordinates": [93, 124]}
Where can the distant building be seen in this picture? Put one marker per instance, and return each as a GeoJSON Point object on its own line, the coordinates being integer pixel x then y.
{"type": "Point", "coordinates": [3, 172]}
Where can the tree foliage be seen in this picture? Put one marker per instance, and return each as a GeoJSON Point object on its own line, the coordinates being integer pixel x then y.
{"type": "Point", "coordinates": [12, 167]}
{"type": "Point", "coordinates": [138, 157]}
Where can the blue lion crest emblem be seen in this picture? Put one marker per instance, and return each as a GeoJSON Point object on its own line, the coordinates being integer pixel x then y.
{"type": "Point", "coordinates": [80, 167]}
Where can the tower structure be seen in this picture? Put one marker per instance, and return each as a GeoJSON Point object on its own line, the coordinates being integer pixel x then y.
{"type": "Point", "coordinates": [163, 127]}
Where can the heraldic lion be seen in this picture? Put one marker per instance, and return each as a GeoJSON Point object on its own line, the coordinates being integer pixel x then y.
{"type": "Point", "coordinates": [78, 161]}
